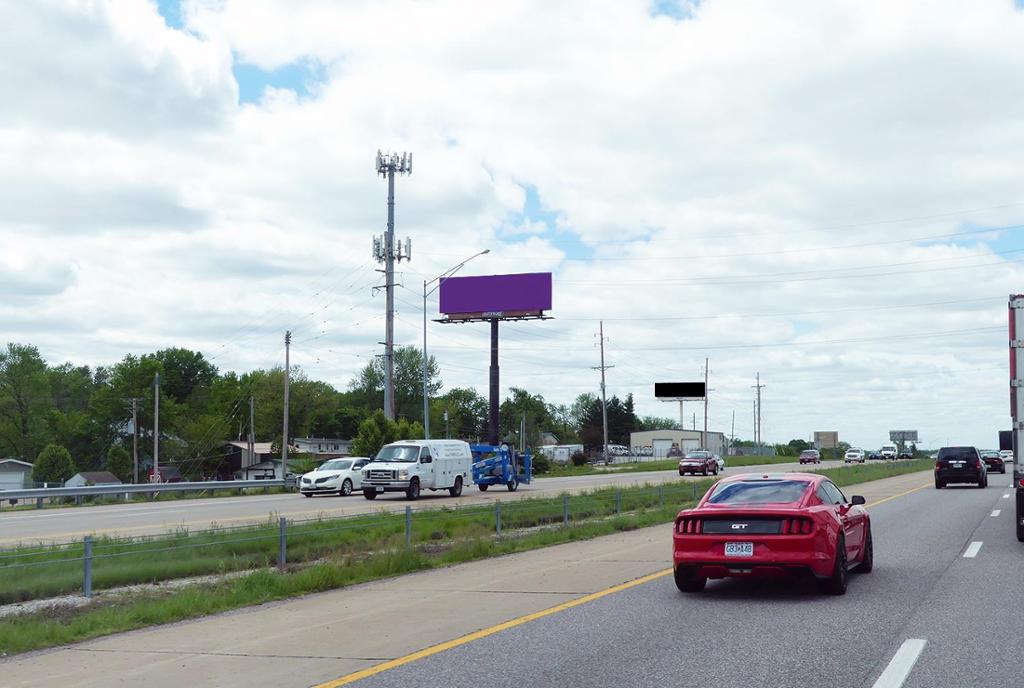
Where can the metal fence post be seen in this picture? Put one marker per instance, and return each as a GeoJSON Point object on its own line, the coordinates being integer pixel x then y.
{"type": "Point", "coordinates": [497, 517]}
{"type": "Point", "coordinates": [87, 561]}
{"type": "Point", "coordinates": [661, 496]}
{"type": "Point", "coordinates": [565, 510]}
{"type": "Point", "coordinates": [618, 501]}
{"type": "Point", "coordinates": [282, 545]}
{"type": "Point", "coordinates": [408, 526]}
{"type": "Point", "coordinates": [694, 491]}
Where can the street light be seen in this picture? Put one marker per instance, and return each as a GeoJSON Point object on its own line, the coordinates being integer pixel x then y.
{"type": "Point", "coordinates": [447, 273]}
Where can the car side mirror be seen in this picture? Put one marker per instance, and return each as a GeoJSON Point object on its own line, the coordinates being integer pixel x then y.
{"type": "Point", "coordinates": [857, 500]}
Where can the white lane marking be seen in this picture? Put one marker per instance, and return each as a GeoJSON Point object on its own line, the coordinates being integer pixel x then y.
{"type": "Point", "coordinates": [996, 512]}
{"type": "Point", "coordinates": [972, 550]}
{"type": "Point", "coordinates": [901, 664]}
{"type": "Point", "coordinates": [1006, 496]}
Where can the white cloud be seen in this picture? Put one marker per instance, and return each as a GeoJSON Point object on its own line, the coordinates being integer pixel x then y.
{"type": "Point", "coordinates": [734, 163]}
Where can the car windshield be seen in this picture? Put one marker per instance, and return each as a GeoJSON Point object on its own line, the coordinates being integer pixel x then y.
{"type": "Point", "coordinates": [809, 452]}
{"type": "Point", "coordinates": [956, 453]}
{"type": "Point", "coordinates": [759, 492]}
{"type": "Point", "coordinates": [990, 454]}
{"type": "Point", "coordinates": [697, 455]}
{"type": "Point", "coordinates": [336, 465]}
{"type": "Point", "coordinates": [399, 454]}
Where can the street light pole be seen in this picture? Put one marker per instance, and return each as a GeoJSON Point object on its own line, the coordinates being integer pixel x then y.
{"type": "Point", "coordinates": [426, 283]}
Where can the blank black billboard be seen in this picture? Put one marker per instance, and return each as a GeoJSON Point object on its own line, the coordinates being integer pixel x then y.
{"type": "Point", "coordinates": [674, 390]}
{"type": "Point", "coordinates": [1006, 440]}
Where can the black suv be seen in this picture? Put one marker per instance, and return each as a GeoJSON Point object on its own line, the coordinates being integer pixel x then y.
{"type": "Point", "coordinates": [960, 465]}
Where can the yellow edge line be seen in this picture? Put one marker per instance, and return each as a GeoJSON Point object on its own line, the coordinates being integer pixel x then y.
{"type": "Point", "coordinates": [901, 494]}
{"type": "Point", "coordinates": [483, 633]}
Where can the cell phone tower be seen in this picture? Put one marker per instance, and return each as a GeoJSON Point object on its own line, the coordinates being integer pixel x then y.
{"type": "Point", "coordinates": [387, 251]}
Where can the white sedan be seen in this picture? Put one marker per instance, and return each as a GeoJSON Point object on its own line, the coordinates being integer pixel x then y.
{"type": "Point", "coordinates": [337, 476]}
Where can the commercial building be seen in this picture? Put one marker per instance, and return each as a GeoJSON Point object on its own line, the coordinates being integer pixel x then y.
{"type": "Point", "coordinates": [661, 441]}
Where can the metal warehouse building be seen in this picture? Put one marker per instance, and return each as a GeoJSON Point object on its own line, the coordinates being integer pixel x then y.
{"type": "Point", "coordinates": [661, 441]}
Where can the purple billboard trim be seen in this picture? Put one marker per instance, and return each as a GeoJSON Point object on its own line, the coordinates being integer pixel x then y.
{"type": "Point", "coordinates": [530, 291]}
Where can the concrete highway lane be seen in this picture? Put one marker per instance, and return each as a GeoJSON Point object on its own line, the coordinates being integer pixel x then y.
{"type": "Point", "coordinates": [939, 611]}
{"type": "Point", "coordinates": [57, 525]}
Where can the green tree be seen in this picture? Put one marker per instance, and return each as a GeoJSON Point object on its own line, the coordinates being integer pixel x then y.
{"type": "Point", "coordinates": [374, 433]}
{"type": "Point", "coordinates": [467, 414]}
{"type": "Point", "coordinates": [119, 462]}
{"type": "Point", "coordinates": [521, 403]}
{"type": "Point", "coordinates": [25, 401]}
{"type": "Point", "coordinates": [53, 465]}
{"type": "Point", "coordinates": [408, 379]}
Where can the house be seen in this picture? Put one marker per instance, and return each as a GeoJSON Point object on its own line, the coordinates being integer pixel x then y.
{"type": "Point", "coordinates": [15, 474]}
{"type": "Point", "coordinates": [92, 478]}
{"type": "Point", "coordinates": [241, 464]}
{"type": "Point", "coordinates": [548, 439]}
{"type": "Point", "coordinates": [323, 448]}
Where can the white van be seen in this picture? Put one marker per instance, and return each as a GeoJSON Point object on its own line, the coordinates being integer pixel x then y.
{"type": "Point", "coordinates": [411, 466]}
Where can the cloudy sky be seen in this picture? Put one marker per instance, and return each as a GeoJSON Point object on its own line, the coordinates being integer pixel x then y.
{"type": "Point", "coordinates": [828, 193]}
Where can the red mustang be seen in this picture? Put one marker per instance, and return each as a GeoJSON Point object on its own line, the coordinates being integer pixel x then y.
{"type": "Point", "coordinates": [772, 525]}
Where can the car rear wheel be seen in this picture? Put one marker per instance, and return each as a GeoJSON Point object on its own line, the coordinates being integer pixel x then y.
{"type": "Point", "coordinates": [983, 482]}
{"type": "Point", "coordinates": [346, 488]}
{"type": "Point", "coordinates": [687, 582]}
{"type": "Point", "coordinates": [836, 583]}
{"type": "Point", "coordinates": [939, 484]}
{"type": "Point", "coordinates": [867, 560]}
{"type": "Point", "coordinates": [456, 489]}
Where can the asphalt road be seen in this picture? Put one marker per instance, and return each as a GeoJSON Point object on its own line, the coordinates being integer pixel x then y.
{"type": "Point", "coordinates": [967, 613]}
{"type": "Point", "coordinates": [58, 525]}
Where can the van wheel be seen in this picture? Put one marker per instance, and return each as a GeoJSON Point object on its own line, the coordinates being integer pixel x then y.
{"type": "Point", "coordinates": [370, 494]}
{"type": "Point", "coordinates": [482, 487]}
{"type": "Point", "coordinates": [456, 489]}
{"type": "Point", "coordinates": [413, 492]}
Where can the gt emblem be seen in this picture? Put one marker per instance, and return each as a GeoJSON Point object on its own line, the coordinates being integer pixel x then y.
{"type": "Point", "coordinates": [739, 526]}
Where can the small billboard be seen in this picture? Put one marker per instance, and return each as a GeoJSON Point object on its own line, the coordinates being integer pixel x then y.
{"type": "Point", "coordinates": [1006, 440]}
{"type": "Point", "coordinates": [826, 439]}
{"type": "Point", "coordinates": [496, 296]}
{"type": "Point", "coordinates": [679, 391]}
{"type": "Point", "coordinates": [903, 436]}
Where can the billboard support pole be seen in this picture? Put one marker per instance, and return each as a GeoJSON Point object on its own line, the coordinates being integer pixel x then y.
{"type": "Point", "coordinates": [492, 425]}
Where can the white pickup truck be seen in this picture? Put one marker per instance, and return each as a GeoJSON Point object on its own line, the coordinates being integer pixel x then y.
{"type": "Point", "coordinates": [410, 466]}
{"type": "Point", "coordinates": [889, 452]}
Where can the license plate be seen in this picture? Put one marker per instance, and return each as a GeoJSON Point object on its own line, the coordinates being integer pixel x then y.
{"type": "Point", "coordinates": [739, 549]}
{"type": "Point", "coordinates": [380, 489]}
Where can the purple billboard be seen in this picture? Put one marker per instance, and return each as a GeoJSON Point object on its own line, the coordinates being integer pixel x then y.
{"type": "Point", "coordinates": [496, 295]}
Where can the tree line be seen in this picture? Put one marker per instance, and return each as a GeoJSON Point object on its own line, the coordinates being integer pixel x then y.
{"type": "Point", "coordinates": [79, 418]}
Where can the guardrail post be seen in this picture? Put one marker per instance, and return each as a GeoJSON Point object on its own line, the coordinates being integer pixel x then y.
{"type": "Point", "coordinates": [87, 566]}
{"type": "Point", "coordinates": [282, 545]}
{"type": "Point", "coordinates": [618, 502]}
{"type": "Point", "coordinates": [408, 526]}
{"type": "Point", "coordinates": [497, 517]}
{"type": "Point", "coordinates": [565, 510]}
{"type": "Point", "coordinates": [39, 502]}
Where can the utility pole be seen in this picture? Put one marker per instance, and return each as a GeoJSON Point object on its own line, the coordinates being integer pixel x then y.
{"type": "Point", "coordinates": [385, 251]}
{"type": "Point", "coordinates": [252, 428]}
{"type": "Point", "coordinates": [758, 387]}
{"type": "Point", "coordinates": [604, 397]}
{"type": "Point", "coordinates": [135, 438]}
{"type": "Point", "coordinates": [156, 428]}
{"type": "Point", "coordinates": [287, 381]}
{"type": "Point", "coordinates": [704, 436]}
{"type": "Point", "coordinates": [732, 433]}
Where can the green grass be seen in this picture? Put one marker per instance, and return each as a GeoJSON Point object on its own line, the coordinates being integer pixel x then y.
{"type": "Point", "coordinates": [69, 502]}
{"type": "Point", "coordinates": [339, 569]}
{"type": "Point", "coordinates": [866, 472]}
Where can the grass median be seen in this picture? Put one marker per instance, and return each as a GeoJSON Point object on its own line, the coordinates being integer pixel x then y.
{"type": "Point", "coordinates": [563, 470]}
{"type": "Point", "coordinates": [325, 555]}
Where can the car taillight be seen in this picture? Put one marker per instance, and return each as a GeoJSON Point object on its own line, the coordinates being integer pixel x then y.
{"type": "Point", "coordinates": [689, 526]}
{"type": "Point", "coordinates": [796, 526]}
{"type": "Point", "coordinates": [938, 464]}
{"type": "Point", "coordinates": [1021, 483]}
